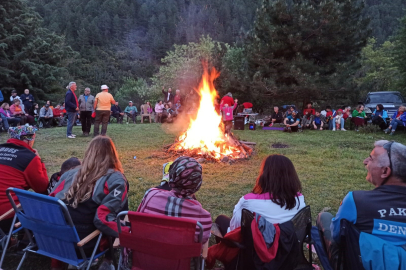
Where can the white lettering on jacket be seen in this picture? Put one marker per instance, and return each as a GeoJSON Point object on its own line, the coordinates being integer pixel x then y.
{"type": "Point", "coordinates": [392, 229]}
{"type": "Point", "coordinates": [393, 212]}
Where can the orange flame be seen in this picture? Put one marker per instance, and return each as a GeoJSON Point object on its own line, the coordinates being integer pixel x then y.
{"type": "Point", "coordinates": [205, 132]}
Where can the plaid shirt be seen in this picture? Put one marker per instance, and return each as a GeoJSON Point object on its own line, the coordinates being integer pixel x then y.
{"type": "Point", "coordinates": [163, 202]}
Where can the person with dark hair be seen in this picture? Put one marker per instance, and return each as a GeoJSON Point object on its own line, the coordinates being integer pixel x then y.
{"type": "Point", "coordinates": [319, 121]}
{"type": "Point", "coordinates": [46, 116]}
{"type": "Point", "coordinates": [276, 195]}
{"type": "Point", "coordinates": [67, 165]}
{"type": "Point", "coordinates": [117, 113]}
{"type": "Point", "coordinates": [292, 122]}
{"type": "Point", "coordinates": [13, 96]}
{"type": "Point", "coordinates": [379, 116]}
{"type": "Point", "coordinates": [308, 115]}
{"type": "Point", "coordinates": [185, 179]}
{"type": "Point", "coordinates": [379, 214]}
{"type": "Point", "coordinates": [7, 117]}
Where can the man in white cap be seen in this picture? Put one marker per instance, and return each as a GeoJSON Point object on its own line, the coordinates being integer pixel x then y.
{"type": "Point", "coordinates": [102, 107]}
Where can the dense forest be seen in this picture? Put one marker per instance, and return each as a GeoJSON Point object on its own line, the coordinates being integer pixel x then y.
{"type": "Point", "coordinates": [277, 49]}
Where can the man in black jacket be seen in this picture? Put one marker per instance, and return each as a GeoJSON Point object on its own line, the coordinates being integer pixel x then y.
{"type": "Point", "coordinates": [168, 96]}
{"type": "Point", "coordinates": [117, 113]}
{"type": "Point", "coordinates": [27, 99]}
{"type": "Point", "coordinates": [71, 107]}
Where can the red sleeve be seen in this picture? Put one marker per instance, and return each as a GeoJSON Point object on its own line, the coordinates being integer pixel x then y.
{"type": "Point", "coordinates": [36, 175]}
{"type": "Point", "coordinates": [12, 109]}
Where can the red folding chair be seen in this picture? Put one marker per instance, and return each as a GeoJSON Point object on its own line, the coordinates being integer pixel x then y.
{"type": "Point", "coordinates": [161, 242]}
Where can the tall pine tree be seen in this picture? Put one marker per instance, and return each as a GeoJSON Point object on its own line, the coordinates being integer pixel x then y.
{"type": "Point", "coordinates": [303, 49]}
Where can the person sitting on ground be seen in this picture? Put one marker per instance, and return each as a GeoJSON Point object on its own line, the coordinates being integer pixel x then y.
{"type": "Point", "coordinates": [18, 111]}
{"type": "Point", "coordinates": [398, 119]}
{"type": "Point", "coordinates": [94, 193]}
{"type": "Point", "coordinates": [58, 115]}
{"type": "Point", "coordinates": [67, 165]}
{"type": "Point", "coordinates": [276, 195]}
{"type": "Point", "coordinates": [178, 107]}
{"type": "Point", "coordinates": [21, 167]}
{"type": "Point", "coordinates": [46, 116]}
{"type": "Point", "coordinates": [168, 114]}
{"type": "Point", "coordinates": [276, 117]}
{"type": "Point", "coordinates": [308, 115]}
{"type": "Point", "coordinates": [358, 116]}
{"type": "Point", "coordinates": [319, 121]}
{"type": "Point", "coordinates": [117, 113]}
{"type": "Point", "coordinates": [159, 108]}
{"type": "Point", "coordinates": [185, 179]}
{"type": "Point", "coordinates": [330, 114]}
{"type": "Point", "coordinates": [292, 122]}
{"type": "Point", "coordinates": [347, 113]}
{"type": "Point", "coordinates": [380, 211]}
{"type": "Point", "coordinates": [228, 116]}
{"type": "Point", "coordinates": [131, 111]}
{"type": "Point", "coordinates": [339, 121]}
{"type": "Point", "coordinates": [7, 117]}
{"type": "Point", "coordinates": [50, 105]}
{"type": "Point", "coordinates": [34, 112]}
{"type": "Point", "coordinates": [14, 96]}
{"type": "Point", "coordinates": [379, 117]}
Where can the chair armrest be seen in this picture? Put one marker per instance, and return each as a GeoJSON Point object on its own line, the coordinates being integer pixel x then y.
{"type": "Point", "coordinates": [9, 212]}
{"type": "Point", "coordinates": [205, 250]}
{"type": "Point", "coordinates": [85, 240]}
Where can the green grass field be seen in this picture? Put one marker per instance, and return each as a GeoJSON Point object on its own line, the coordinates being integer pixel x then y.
{"type": "Point", "coordinates": [329, 164]}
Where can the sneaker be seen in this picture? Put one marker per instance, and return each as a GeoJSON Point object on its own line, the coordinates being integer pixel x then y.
{"type": "Point", "coordinates": [392, 133]}
{"type": "Point", "coordinates": [343, 129]}
{"type": "Point", "coordinates": [334, 129]}
{"type": "Point", "coordinates": [71, 137]}
{"type": "Point", "coordinates": [270, 125]}
{"type": "Point", "coordinates": [386, 131]}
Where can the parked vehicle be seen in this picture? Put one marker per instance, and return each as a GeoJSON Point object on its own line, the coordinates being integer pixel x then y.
{"type": "Point", "coordinates": [391, 101]}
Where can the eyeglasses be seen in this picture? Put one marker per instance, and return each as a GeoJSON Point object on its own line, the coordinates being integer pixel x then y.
{"type": "Point", "coordinates": [387, 147]}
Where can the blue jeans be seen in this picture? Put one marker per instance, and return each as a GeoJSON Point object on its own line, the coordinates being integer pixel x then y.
{"type": "Point", "coordinates": [332, 123]}
{"type": "Point", "coordinates": [71, 121]}
{"type": "Point", "coordinates": [5, 122]}
{"type": "Point", "coordinates": [395, 123]}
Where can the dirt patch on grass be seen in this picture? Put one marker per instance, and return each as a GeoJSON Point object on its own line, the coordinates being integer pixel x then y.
{"type": "Point", "coordinates": [279, 145]}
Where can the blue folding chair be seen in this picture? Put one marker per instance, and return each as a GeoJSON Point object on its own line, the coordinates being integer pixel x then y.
{"type": "Point", "coordinates": [5, 238]}
{"type": "Point", "coordinates": [50, 230]}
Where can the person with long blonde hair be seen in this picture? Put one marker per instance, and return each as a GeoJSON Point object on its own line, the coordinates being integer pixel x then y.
{"type": "Point", "coordinates": [94, 192]}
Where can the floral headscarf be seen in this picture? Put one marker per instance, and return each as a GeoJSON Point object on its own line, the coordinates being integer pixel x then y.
{"type": "Point", "coordinates": [26, 132]}
{"type": "Point", "coordinates": [185, 176]}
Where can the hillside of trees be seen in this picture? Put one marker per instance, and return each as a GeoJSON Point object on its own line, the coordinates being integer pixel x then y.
{"type": "Point", "coordinates": [275, 49]}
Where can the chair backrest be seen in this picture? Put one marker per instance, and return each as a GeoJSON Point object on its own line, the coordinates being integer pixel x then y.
{"type": "Point", "coordinates": [302, 223]}
{"type": "Point", "coordinates": [144, 109]}
{"type": "Point", "coordinates": [49, 220]}
{"type": "Point", "coordinates": [246, 256]}
{"type": "Point", "coordinates": [161, 242]}
{"type": "Point", "coordinates": [350, 254]}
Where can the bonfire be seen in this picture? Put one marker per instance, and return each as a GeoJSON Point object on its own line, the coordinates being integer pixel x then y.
{"type": "Point", "coordinates": [205, 137]}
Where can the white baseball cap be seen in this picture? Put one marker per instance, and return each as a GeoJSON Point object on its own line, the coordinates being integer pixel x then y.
{"type": "Point", "coordinates": [103, 87]}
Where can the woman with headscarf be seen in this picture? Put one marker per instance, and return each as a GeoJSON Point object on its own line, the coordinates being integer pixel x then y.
{"type": "Point", "coordinates": [185, 179]}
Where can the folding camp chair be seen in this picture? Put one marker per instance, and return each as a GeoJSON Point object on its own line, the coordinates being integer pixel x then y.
{"type": "Point", "coordinates": [5, 238]}
{"type": "Point", "coordinates": [302, 224]}
{"type": "Point", "coordinates": [50, 230]}
{"type": "Point", "coordinates": [161, 242]}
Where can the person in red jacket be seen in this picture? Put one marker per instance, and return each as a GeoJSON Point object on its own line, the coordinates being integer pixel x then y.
{"type": "Point", "coordinates": [227, 99]}
{"type": "Point", "coordinates": [21, 167]}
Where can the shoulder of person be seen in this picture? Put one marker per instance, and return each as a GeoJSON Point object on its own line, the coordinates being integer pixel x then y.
{"type": "Point", "coordinates": [114, 177]}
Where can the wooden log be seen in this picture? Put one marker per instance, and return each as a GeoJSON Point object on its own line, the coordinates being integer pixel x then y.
{"type": "Point", "coordinates": [248, 143]}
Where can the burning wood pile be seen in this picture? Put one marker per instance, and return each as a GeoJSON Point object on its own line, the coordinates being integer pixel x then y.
{"type": "Point", "coordinates": [205, 137]}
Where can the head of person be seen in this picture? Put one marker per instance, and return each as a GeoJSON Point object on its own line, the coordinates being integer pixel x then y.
{"type": "Point", "coordinates": [70, 164]}
{"type": "Point", "coordinates": [402, 109]}
{"type": "Point", "coordinates": [26, 91]}
{"type": "Point", "coordinates": [104, 88]}
{"type": "Point", "coordinates": [36, 106]}
{"type": "Point", "coordinates": [309, 104]}
{"type": "Point", "coordinates": [148, 103]}
{"type": "Point", "coordinates": [167, 106]}
{"type": "Point", "coordinates": [339, 111]}
{"type": "Point", "coordinates": [63, 104]}
{"type": "Point", "coordinates": [229, 94]}
{"type": "Point", "coordinates": [278, 177]}
{"type": "Point", "coordinates": [170, 104]}
{"type": "Point", "coordinates": [13, 93]}
{"type": "Point", "coordinates": [116, 103]}
{"type": "Point", "coordinates": [46, 106]}
{"type": "Point", "coordinates": [177, 92]}
{"type": "Point", "coordinates": [294, 114]}
{"type": "Point", "coordinates": [16, 102]}
{"type": "Point", "coordinates": [130, 103]}
{"type": "Point", "coordinates": [58, 106]}
{"type": "Point", "coordinates": [160, 102]}
{"type": "Point", "coordinates": [225, 104]}
{"type": "Point", "coordinates": [87, 91]}
{"type": "Point", "coordinates": [169, 90]}
{"type": "Point", "coordinates": [72, 86]}
{"type": "Point", "coordinates": [5, 106]}
{"type": "Point", "coordinates": [276, 108]}
{"type": "Point", "coordinates": [49, 102]}
{"type": "Point", "coordinates": [379, 107]}
{"type": "Point", "coordinates": [100, 156]}
{"type": "Point", "coordinates": [360, 107]}
{"type": "Point", "coordinates": [23, 133]}
{"type": "Point", "coordinates": [292, 108]}
{"type": "Point", "coordinates": [386, 164]}
{"type": "Point", "coordinates": [348, 108]}
{"type": "Point", "coordinates": [328, 108]}
{"type": "Point", "coordinates": [185, 176]}
{"type": "Point", "coordinates": [318, 113]}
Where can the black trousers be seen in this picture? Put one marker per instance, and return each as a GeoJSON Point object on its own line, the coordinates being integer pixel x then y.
{"type": "Point", "coordinates": [102, 117]}
{"type": "Point", "coordinates": [119, 117]}
{"type": "Point", "coordinates": [323, 223]}
{"type": "Point", "coordinates": [380, 122]}
{"type": "Point", "coordinates": [46, 121]}
{"type": "Point", "coordinates": [86, 120]}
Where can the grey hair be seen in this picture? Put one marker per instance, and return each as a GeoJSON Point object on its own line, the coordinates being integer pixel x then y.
{"type": "Point", "coordinates": [87, 88]}
{"type": "Point", "coordinates": [177, 90]}
{"type": "Point", "coordinates": [398, 158]}
{"type": "Point", "coordinates": [69, 85]}
{"type": "Point", "coordinates": [229, 94]}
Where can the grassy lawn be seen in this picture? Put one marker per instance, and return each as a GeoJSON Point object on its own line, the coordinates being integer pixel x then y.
{"type": "Point", "coordinates": [329, 164]}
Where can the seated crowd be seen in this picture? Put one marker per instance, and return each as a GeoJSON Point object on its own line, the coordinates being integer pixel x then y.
{"type": "Point", "coordinates": [96, 190]}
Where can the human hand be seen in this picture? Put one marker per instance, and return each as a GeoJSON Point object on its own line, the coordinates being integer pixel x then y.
{"type": "Point", "coordinates": [26, 114]}
{"type": "Point", "coordinates": [235, 100]}
{"type": "Point", "coordinates": [77, 108]}
{"type": "Point", "coordinates": [321, 128]}
{"type": "Point", "coordinates": [380, 116]}
{"type": "Point", "coordinates": [315, 127]}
